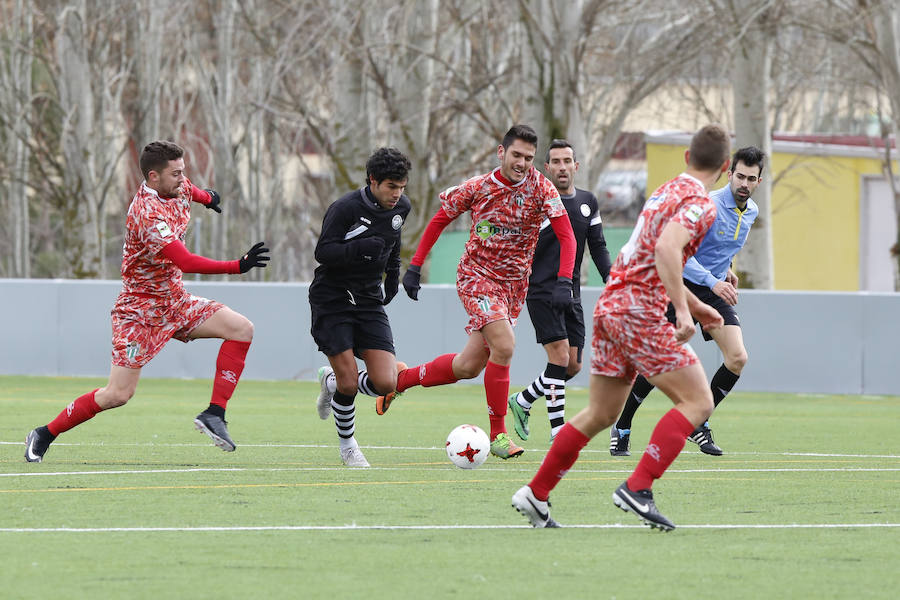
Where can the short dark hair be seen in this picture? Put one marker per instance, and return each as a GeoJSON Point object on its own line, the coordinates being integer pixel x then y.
{"type": "Point", "coordinates": [387, 163]}
{"type": "Point", "coordinates": [559, 143]}
{"type": "Point", "coordinates": [156, 156]}
{"type": "Point", "coordinates": [520, 132]}
{"type": "Point", "coordinates": [750, 156]}
{"type": "Point", "coordinates": [710, 147]}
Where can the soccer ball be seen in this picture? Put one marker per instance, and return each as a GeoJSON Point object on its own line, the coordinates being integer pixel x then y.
{"type": "Point", "coordinates": [468, 446]}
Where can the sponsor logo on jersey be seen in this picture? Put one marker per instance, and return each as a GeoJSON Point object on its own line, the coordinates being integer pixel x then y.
{"type": "Point", "coordinates": [396, 222]}
{"type": "Point", "coordinates": [163, 229]}
{"type": "Point", "coordinates": [693, 213]}
{"type": "Point", "coordinates": [365, 220]}
{"type": "Point", "coordinates": [486, 229]}
{"type": "Point", "coordinates": [585, 210]}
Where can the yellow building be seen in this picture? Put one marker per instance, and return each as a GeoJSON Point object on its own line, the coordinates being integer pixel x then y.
{"type": "Point", "coordinates": [833, 215]}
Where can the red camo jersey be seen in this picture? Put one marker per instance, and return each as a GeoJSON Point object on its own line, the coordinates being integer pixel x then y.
{"type": "Point", "coordinates": [634, 284]}
{"type": "Point", "coordinates": [506, 221]}
{"type": "Point", "coordinates": [152, 223]}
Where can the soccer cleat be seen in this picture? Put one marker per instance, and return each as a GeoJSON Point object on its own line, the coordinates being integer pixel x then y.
{"type": "Point", "coordinates": [520, 418]}
{"type": "Point", "coordinates": [536, 511]}
{"type": "Point", "coordinates": [353, 457]}
{"type": "Point", "coordinates": [641, 503]}
{"type": "Point", "coordinates": [214, 427]}
{"type": "Point", "coordinates": [702, 436]}
{"type": "Point", "coordinates": [619, 441]}
{"type": "Point", "coordinates": [36, 445]}
{"type": "Point", "coordinates": [383, 403]}
{"type": "Point", "coordinates": [323, 403]}
{"type": "Point", "coordinates": [504, 447]}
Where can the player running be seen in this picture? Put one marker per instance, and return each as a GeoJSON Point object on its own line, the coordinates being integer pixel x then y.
{"type": "Point", "coordinates": [632, 335]}
{"type": "Point", "coordinates": [561, 333]}
{"type": "Point", "coordinates": [154, 307]}
{"type": "Point", "coordinates": [507, 207]}
{"type": "Point", "coordinates": [708, 276]}
{"type": "Point", "coordinates": [359, 243]}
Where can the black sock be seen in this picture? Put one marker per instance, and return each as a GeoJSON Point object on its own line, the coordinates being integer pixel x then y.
{"type": "Point", "coordinates": [216, 411]}
{"type": "Point", "coordinates": [44, 432]}
{"type": "Point", "coordinates": [722, 383]}
{"type": "Point", "coordinates": [640, 390]}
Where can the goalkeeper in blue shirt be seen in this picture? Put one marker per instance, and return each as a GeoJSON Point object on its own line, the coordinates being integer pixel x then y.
{"type": "Point", "coordinates": [709, 276]}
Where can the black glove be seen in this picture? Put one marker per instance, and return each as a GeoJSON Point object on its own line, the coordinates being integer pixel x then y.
{"type": "Point", "coordinates": [255, 257]}
{"type": "Point", "coordinates": [214, 201]}
{"type": "Point", "coordinates": [411, 280]}
{"type": "Point", "coordinates": [563, 299]}
{"type": "Point", "coordinates": [368, 248]}
{"type": "Point", "coordinates": [391, 285]}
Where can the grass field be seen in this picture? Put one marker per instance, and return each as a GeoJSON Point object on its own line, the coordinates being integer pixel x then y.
{"type": "Point", "coordinates": [136, 504]}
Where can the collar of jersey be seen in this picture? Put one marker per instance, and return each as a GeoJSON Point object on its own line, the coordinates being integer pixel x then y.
{"type": "Point", "coordinates": [499, 178]}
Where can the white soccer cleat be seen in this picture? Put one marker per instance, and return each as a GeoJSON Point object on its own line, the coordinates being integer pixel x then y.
{"type": "Point", "coordinates": [323, 403]}
{"type": "Point", "coordinates": [353, 457]}
{"type": "Point", "coordinates": [536, 511]}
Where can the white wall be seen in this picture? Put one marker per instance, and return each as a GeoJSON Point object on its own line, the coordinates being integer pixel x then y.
{"type": "Point", "coordinates": [814, 342]}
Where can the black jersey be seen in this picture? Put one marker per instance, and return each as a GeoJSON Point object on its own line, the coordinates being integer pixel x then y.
{"type": "Point", "coordinates": [587, 226]}
{"type": "Point", "coordinates": [342, 279]}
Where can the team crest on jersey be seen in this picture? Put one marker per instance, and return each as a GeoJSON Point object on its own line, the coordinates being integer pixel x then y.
{"type": "Point", "coordinates": [693, 213]}
{"type": "Point", "coordinates": [484, 304]}
{"type": "Point", "coordinates": [163, 229]}
{"type": "Point", "coordinates": [585, 210]}
{"type": "Point", "coordinates": [396, 222]}
{"type": "Point", "coordinates": [519, 199]}
{"type": "Point", "coordinates": [132, 349]}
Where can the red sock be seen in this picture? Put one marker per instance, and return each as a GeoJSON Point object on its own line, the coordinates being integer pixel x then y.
{"type": "Point", "coordinates": [229, 366]}
{"type": "Point", "coordinates": [437, 372]}
{"type": "Point", "coordinates": [665, 445]}
{"type": "Point", "coordinates": [562, 455]}
{"type": "Point", "coordinates": [496, 389]}
{"type": "Point", "coordinates": [80, 410]}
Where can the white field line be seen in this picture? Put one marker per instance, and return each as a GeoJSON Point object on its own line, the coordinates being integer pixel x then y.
{"type": "Point", "coordinates": [424, 468]}
{"type": "Point", "coordinates": [427, 527]}
{"type": "Point", "coordinates": [601, 449]}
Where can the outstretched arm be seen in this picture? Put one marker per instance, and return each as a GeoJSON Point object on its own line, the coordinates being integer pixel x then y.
{"type": "Point", "coordinates": [188, 262]}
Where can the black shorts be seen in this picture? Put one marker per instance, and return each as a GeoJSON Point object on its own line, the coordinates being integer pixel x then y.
{"type": "Point", "coordinates": [707, 296]}
{"type": "Point", "coordinates": [358, 328]}
{"type": "Point", "coordinates": [552, 326]}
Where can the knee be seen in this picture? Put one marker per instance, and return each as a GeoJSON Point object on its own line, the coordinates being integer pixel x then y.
{"type": "Point", "coordinates": [737, 361]}
{"type": "Point", "coordinates": [110, 397]}
{"type": "Point", "coordinates": [383, 383]}
{"type": "Point", "coordinates": [347, 382]}
{"type": "Point", "coordinates": [244, 330]}
{"type": "Point", "coordinates": [573, 369]}
{"type": "Point", "coordinates": [468, 369]}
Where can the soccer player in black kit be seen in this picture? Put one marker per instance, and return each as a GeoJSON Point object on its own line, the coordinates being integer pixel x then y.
{"type": "Point", "coordinates": [561, 333]}
{"type": "Point", "coordinates": [359, 244]}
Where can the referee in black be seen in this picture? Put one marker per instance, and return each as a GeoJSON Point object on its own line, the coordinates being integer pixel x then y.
{"type": "Point", "coordinates": [359, 244]}
{"type": "Point", "coordinates": [561, 333]}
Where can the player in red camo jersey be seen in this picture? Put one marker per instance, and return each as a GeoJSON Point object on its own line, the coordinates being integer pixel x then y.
{"type": "Point", "coordinates": [632, 335]}
{"type": "Point", "coordinates": [507, 207]}
{"type": "Point", "coordinates": [153, 306]}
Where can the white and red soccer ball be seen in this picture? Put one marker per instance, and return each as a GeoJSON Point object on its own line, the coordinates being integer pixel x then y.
{"type": "Point", "coordinates": [468, 446]}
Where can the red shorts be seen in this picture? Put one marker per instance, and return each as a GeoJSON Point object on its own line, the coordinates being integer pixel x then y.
{"type": "Point", "coordinates": [486, 300]}
{"type": "Point", "coordinates": [142, 325]}
{"type": "Point", "coordinates": [628, 343]}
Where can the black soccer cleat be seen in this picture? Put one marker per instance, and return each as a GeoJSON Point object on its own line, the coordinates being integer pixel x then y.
{"type": "Point", "coordinates": [702, 436]}
{"type": "Point", "coordinates": [214, 427]}
{"type": "Point", "coordinates": [641, 503]}
{"type": "Point", "coordinates": [36, 444]}
{"type": "Point", "coordinates": [619, 441]}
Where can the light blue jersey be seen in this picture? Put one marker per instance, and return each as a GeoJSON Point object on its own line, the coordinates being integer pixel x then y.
{"type": "Point", "coordinates": [723, 240]}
